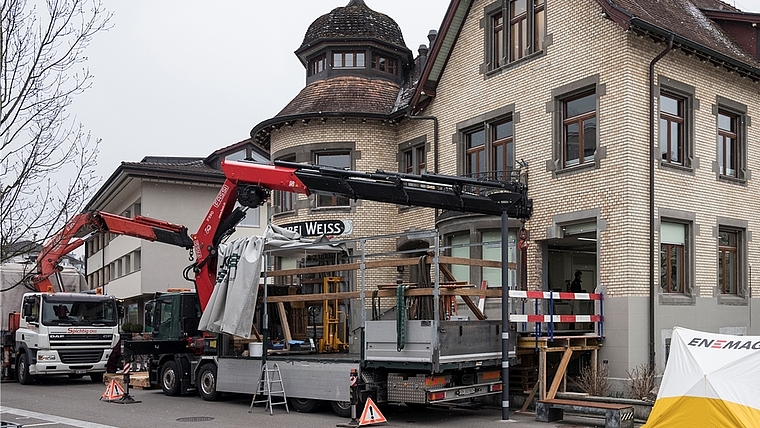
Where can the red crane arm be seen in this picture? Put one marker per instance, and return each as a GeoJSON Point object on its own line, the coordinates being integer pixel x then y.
{"type": "Point", "coordinates": [249, 183]}
{"type": "Point", "coordinates": [71, 237]}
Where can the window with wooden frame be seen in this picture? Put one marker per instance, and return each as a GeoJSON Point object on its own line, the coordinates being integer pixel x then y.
{"type": "Point", "coordinates": [672, 128]}
{"type": "Point", "coordinates": [317, 65]}
{"type": "Point", "coordinates": [731, 132]}
{"type": "Point", "coordinates": [728, 261]}
{"type": "Point", "coordinates": [673, 255]}
{"type": "Point", "coordinates": [487, 149]}
{"type": "Point", "coordinates": [514, 29]}
{"type": "Point", "coordinates": [497, 40]}
{"type": "Point", "coordinates": [579, 128]}
{"type": "Point", "coordinates": [475, 153]}
{"type": "Point", "coordinates": [502, 149]}
{"type": "Point", "coordinates": [348, 59]}
{"type": "Point", "coordinates": [384, 63]}
{"type": "Point", "coordinates": [728, 142]}
{"type": "Point", "coordinates": [413, 160]}
{"type": "Point", "coordinates": [337, 160]}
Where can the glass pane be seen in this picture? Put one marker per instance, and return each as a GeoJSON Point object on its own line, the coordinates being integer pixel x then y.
{"type": "Point", "coordinates": [503, 130]}
{"type": "Point", "coordinates": [730, 157]}
{"type": "Point", "coordinates": [349, 60]}
{"type": "Point", "coordinates": [360, 60]}
{"type": "Point", "coordinates": [516, 37]}
{"type": "Point", "coordinates": [571, 144]}
{"type": "Point", "coordinates": [670, 105]}
{"type": "Point", "coordinates": [518, 7]}
{"type": "Point", "coordinates": [498, 157]}
{"type": "Point", "coordinates": [461, 249]}
{"type": "Point", "coordinates": [727, 239]}
{"type": "Point", "coordinates": [472, 164]}
{"type": "Point", "coordinates": [676, 262]}
{"type": "Point", "coordinates": [337, 60]}
{"type": "Point", "coordinates": [675, 143]}
{"type": "Point", "coordinates": [589, 138]}
{"type": "Point", "coordinates": [725, 122]}
{"type": "Point", "coordinates": [540, 31]}
{"type": "Point", "coordinates": [673, 233]}
{"type": "Point", "coordinates": [664, 139]}
{"type": "Point", "coordinates": [476, 139]}
{"type": "Point", "coordinates": [581, 105]}
{"type": "Point", "coordinates": [337, 160]}
{"type": "Point", "coordinates": [492, 251]}
{"type": "Point", "coordinates": [730, 273]}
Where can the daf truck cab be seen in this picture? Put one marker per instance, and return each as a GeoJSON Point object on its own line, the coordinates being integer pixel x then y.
{"type": "Point", "coordinates": [64, 333]}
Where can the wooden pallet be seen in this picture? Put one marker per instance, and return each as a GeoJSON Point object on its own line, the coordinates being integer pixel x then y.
{"type": "Point", "coordinates": [137, 380]}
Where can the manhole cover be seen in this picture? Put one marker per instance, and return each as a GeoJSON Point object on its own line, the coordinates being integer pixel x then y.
{"type": "Point", "coordinates": [196, 419]}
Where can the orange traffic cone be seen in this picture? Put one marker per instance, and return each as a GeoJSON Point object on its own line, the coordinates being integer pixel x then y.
{"type": "Point", "coordinates": [114, 391]}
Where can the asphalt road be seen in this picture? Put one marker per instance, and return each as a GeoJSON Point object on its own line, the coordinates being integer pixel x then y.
{"type": "Point", "coordinates": [63, 402]}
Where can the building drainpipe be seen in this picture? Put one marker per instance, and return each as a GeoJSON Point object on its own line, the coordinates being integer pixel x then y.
{"type": "Point", "coordinates": [652, 160]}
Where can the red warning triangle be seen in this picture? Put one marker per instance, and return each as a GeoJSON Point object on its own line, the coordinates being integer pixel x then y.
{"type": "Point", "coordinates": [371, 414]}
{"type": "Point", "coordinates": [114, 391]}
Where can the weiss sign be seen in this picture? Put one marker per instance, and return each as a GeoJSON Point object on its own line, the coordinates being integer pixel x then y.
{"type": "Point", "coordinates": [321, 227]}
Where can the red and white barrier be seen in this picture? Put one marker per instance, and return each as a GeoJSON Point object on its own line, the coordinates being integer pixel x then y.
{"type": "Point", "coordinates": [556, 295]}
{"type": "Point", "coordinates": [551, 319]}
{"type": "Point", "coordinates": [555, 318]}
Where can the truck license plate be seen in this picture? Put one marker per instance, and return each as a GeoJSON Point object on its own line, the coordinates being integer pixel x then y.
{"type": "Point", "coordinates": [81, 371]}
{"type": "Point", "coordinates": [466, 391]}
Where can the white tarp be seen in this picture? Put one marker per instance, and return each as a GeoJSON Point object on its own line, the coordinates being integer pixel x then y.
{"type": "Point", "coordinates": [233, 302]}
{"type": "Point", "coordinates": [709, 380]}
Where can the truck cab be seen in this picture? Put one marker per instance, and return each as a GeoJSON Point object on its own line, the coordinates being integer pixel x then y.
{"type": "Point", "coordinates": [65, 333]}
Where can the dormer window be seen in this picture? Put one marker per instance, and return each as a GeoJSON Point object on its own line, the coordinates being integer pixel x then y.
{"type": "Point", "coordinates": [348, 59]}
{"type": "Point", "coordinates": [317, 65]}
{"type": "Point", "coordinates": [384, 63]}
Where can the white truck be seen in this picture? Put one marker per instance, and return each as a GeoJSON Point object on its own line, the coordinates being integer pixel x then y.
{"type": "Point", "coordinates": [66, 333]}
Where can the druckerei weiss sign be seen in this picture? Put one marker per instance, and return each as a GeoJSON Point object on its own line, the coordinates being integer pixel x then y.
{"type": "Point", "coordinates": [321, 227]}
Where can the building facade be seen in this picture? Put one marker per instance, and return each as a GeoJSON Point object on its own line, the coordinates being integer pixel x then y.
{"type": "Point", "coordinates": [631, 123]}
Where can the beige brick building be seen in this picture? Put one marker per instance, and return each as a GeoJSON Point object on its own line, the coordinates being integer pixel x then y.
{"type": "Point", "coordinates": [561, 89]}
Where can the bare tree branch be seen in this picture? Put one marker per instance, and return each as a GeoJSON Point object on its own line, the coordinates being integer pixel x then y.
{"type": "Point", "coordinates": [47, 160]}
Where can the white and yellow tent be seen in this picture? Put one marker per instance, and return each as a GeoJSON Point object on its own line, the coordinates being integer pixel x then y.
{"type": "Point", "coordinates": [710, 380]}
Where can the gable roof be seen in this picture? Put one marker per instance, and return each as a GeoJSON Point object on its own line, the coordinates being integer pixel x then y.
{"type": "Point", "coordinates": [688, 21]}
{"type": "Point", "coordinates": [183, 169]}
{"type": "Point", "coordinates": [693, 31]}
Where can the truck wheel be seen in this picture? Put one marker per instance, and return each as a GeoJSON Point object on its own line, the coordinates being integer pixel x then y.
{"type": "Point", "coordinates": [342, 408]}
{"type": "Point", "coordinates": [304, 405]}
{"type": "Point", "coordinates": [169, 378]}
{"type": "Point", "coordinates": [96, 377]}
{"type": "Point", "coordinates": [207, 383]}
{"type": "Point", "coordinates": [22, 370]}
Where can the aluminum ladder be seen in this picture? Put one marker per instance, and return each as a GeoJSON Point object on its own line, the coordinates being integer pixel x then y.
{"type": "Point", "coordinates": [270, 384]}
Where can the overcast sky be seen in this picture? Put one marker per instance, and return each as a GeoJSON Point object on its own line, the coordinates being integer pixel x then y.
{"type": "Point", "coordinates": [185, 78]}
